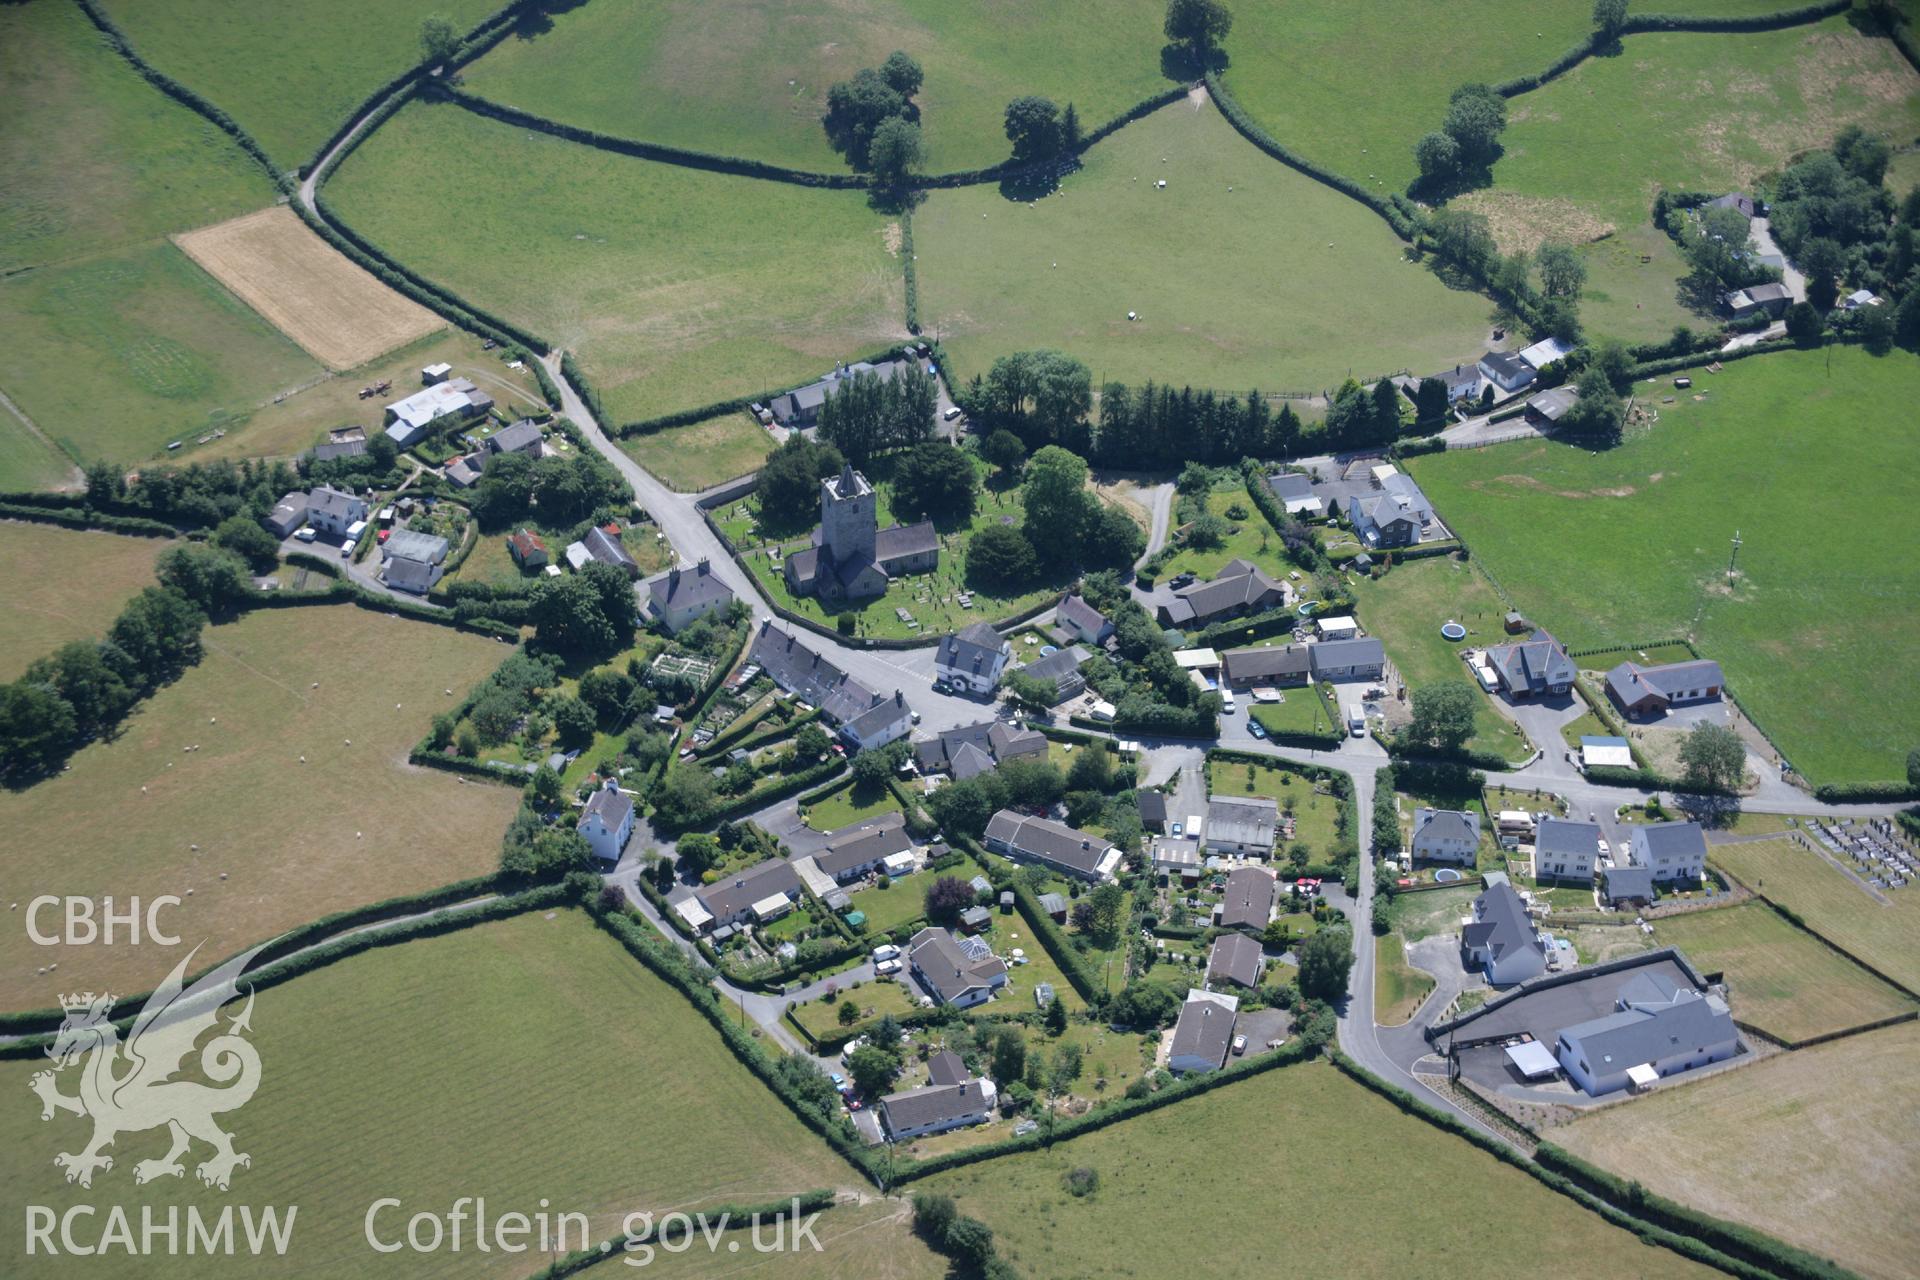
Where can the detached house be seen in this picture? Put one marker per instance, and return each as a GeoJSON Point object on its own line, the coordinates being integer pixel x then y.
{"type": "Point", "coordinates": [1268, 665]}
{"type": "Point", "coordinates": [680, 597]}
{"type": "Point", "coordinates": [1061, 669]}
{"type": "Point", "coordinates": [1361, 659]}
{"type": "Point", "coordinates": [1204, 1033]}
{"type": "Point", "coordinates": [607, 822]}
{"type": "Point", "coordinates": [1536, 667]}
{"type": "Point", "coordinates": [521, 437]}
{"type": "Point", "coordinates": [527, 549]}
{"type": "Point", "coordinates": [1240, 588]}
{"type": "Point", "coordinates": [973, 659]}
{"type": "Point", "coordinates": [1397, 514]}
{"type": "Point", "coordinates": [1052, 844]}
{"type": "Point", "coordinates": [1500, 938]}
{"type": "Point", "coordinates": [952, 973]}
{"type": "Point", "coordinates": [936, 1108]}
{"type": "Point", "coordinates": [1248, 901]}
{"type": "Point", "coordinates": [1672, 851]}
{"type": "Point", "coordinates": [1446, 835]}
{"type": "Point", "coordinates": [1081, 619]}
{"type": "Point", "coordinates": [1234, 958]}
{"type": "Point", "coordinates": [1506, 370]}
{"type": "Point", "coordinates": [1564, 850]}
{"type": "Point", "coordinates": [974, 749]}
{"type": "Point", "coordinates": [1658, 1028]}
{"type": "Point", "coordinates": [604, 545]}
{"type": "Point", "coordinates": [331, 511]}
{"type": "Point", "coordinates": [1648, 691]}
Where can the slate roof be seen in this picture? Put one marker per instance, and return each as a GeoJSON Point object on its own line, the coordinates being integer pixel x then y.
{"type": "Point", "coordinates": [403, 573]}
{"type": "Point", "coordinates": [409, 544]}
{"type": "Point", "coordinates": [973, 649]}
{"type": "Point", "coordinates": [1153, 805]}
{"type": "Point", "coordinates": [1248, 900]}
{"type": "Point", "coordinates": [1650, 1032]}
{"type": "Point", "coordinates": [1533, 664]}
{"type": "Point", "coordinates": [1501, 924]}
{"type": "Point", "coordinates": [465, 471]}
{"type": "Point", "coordinates": [863, 843]}
{"type": "Point", "coordinates": [742, 889]}
{"type": "Point", "coordinates": [1239, 585]}
{"type": "Point", "coordinates": [935, 1104]}
{"type": "Point", "coordinates": [688, 588]}
{"type": "Point", "coordinates": [1338, 655]}
{"type": "Point", "coordinates": [980, 746]}
{"type": "Point", "coordinates": [1629, 681]}
{"type": "Point", "coordinates": [613, 807]}
{"type": "Point", "coordinates": [876, 719]}
{"type": "Point", "coordinates": [1050, 841]}
{"type": "Point", "coordinates": [1445, 824]}
{"type": "Point", "coordinates": [1269, 662]}
{"type": "Point", "coordinates": [1622, 883]}
{"type": "Point", "coordinates": [1505, 365]}
{"type": "Point", "coordinates": [1236, 958]}
{"type": "Point", "coordinates": [1562, 836]}
{"type": "Point", "coordinates": [1290, 486]}
{"type": "Point", "coordinates": [807, 675]}
{"type": "Point", "coordinates": [606, 549]}
{"type": "Point", "coordinates": [937, 957]}
{"type": "Point", "coordinates": [1078, 613]}
{"type": "Point", "coordinates": [1681, 838]}
{"type": "Point", "coordinates": [1205, 1029]}
{"type": "Point", "coordinates": [945, 1067]}
{"type": "Point", "coordinates": [898, 541]}
{"type": "Point", "coordinates": [1062, 666]}
{"type": "Point", "coordinates": [343, 449]}
{"type": "Point", "coordinates": [1553, 403]}
{"type": "Point", "coordinates": [332, 501]}
{"type": "Point", "coordinates": [520, 436]}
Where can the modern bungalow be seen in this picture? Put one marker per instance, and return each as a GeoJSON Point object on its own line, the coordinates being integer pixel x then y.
{"type": "Point", "coordinates": [1204, 1033]}
{"type": "Point", "coordinates": [1241, 587]}
{"type": "Point", "coordinates": [1265, 665]}
{"type": "Point", "coordinates": [952, 974]}
{"type": "Point", "coordinates": [936, 1108]}
{"type": "Point", "coordinates": [1649, 691]}
{"type": "Point", "coordinates": [1361, 659]}
{"type": "Point", "coordinates": [1659, 1028]}
{"type": "Point", "coordinates": [1052, 844]}
{"type": "Point", "coordinates": [1507, 371]}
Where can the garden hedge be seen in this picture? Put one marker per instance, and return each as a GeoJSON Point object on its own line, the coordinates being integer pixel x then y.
{"type": "Point", "coordinates": [83, 517]}
{"type": "Point", "coordinates": [760, 797]}
{"type": "Point", "coordinates": [1865, 792]}
{"type": "Point", "coordinates": [317, 956]}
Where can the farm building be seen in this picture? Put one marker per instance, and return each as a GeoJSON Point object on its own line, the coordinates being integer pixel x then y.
{"type": "Point", "coordinates": [1760, 299]}
{"type": "Point", "coordinates": [605, 546]}
{"type": "Point", "coordinates": [1242, 826]}
{"type": "Point", "coordinates": [527, 550]}
{"type": "Point", "coordinates": [410, 420]}
{"type": "Point", "coordinates": [1545, 410]}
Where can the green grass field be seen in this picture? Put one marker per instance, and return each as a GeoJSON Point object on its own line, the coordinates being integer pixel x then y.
{"type": "Point", "coordinates": [352, 825]}
{"type": "Point", "coordinates": [92, 157]}
{"type": "Point", "coordinates": [1252, 538]}
{"type": "Point", "coordinates": [1406, 608]}
{"type": "Point", "coordinates": [848, 805]}
{"type": "Point", "coordinates": [702, 454]}
{"type": "Point", "coordinates": [1818, 1148]}
{"type": "Point", "coordinates": [1343, 1154]}
{"type": "Point", "coordinates": [119, 355]}
{"type": "Point", "coordinates": [674, 287]}
{"type": "Point", "coordinates": [872, 999]}
{"type": "Point", "coordinates": [749, 77]}
{"type": "Point", "coordinates": [37, 577]}
{"type": "Point", "coordinates": [1881, 931]}
{"type": "Point", "coordinates": [1682, 111]}
{"type": "Point", "coordinates": [433, 1065]}
{"type": "Point", "coordinates": [290, 73]}
{"type": "Point", "coordinates": [1782, 981]}
{"type": "Point", "coordinates": [1399, 989]}
{"type": "Point", "coordinates": [1645, 530]}
{"type": "Point", "coordinates": [1281, 283]}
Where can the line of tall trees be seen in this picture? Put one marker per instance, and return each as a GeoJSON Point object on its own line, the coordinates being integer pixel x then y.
{"type": "Point", "coordinates": [867, 414]}
{"type": "Point", "coordinates": [84, 689]}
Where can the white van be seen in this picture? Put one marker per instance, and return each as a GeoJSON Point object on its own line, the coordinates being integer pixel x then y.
{"type": "Point", "coordinates": [1193, 827]}
{"type": "Point", "coordinates": [1357, 720]}
{"type": "Point", "coordinates": [1227, 704]}
{"type": "Point", "coordinates": [953, 411]}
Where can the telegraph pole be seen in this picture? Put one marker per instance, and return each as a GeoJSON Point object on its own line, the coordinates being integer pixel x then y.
{"type": "Point", "coordinates": [1731, 559]}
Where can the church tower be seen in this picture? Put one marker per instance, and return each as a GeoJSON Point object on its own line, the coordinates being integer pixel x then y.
{"type": "Point", "coordinates": [849, 519]}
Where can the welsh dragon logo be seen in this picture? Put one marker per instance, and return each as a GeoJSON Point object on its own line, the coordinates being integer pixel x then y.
{"type": "Point", "coordinates": [135, 1086]}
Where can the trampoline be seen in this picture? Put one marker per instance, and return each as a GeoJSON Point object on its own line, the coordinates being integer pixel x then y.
{"type": "Point", "coordinates": [1446, 875]}
{"type": "Point", "coordinates": [1453, 631]}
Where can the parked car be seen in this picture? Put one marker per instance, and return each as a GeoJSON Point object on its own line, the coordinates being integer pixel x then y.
{"type": "Point", "coordinates": [306, 534]}
{"type": "Point", "coordinates": [1239, 1044]}
{"type": "Point", "coordinates": [1257, 729]}
{"type": "Point", "coordinates": [839, 1081]}
{"type": "Point", "coordinates": [1176, 830]}
{"type": "Point", "coordinates": [886, 951]}
{"type": "Point", "coordinates": [887, 968]}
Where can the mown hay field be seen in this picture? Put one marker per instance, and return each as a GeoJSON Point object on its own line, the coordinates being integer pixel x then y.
{"type": "Point", "coordinates": [749, 78]}
{"type": "Point", "coordinates": [1819, 606]}
{"type": "Point", "coordinates": [1326, 1150]}
{"type": "Point", "coordinates": [1243, 272]}
{"type": "Point", "coordinates": [290, 72]}
{"type": "Point", "coordinates": [674, 287]}
{"type": "Point", "coordinates": [43, 565]}
{"type": "Point", "coordinates": [1782, 981]}
{"type": "Point", "coordinates": [335, 309]}
{"type": "Point", "coordinates": [1820, 1147]}
{"type": "Point", "coordinates": [529, 1061]}
{"type": "Point", "coordinates": [1880, 928]}
{"type": "Point", "coordinates": [353, 824]}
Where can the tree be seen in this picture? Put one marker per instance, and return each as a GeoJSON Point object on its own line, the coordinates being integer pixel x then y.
{"type": "Point", "coordinates": [1563, 273]}
{"type": "Point", "coordinates": [1114, 540]}
{"type": "Point", "coordinates": [1438, 156]}
{"type": "Point", "coordinates": [243, 536]}
{"type": "Point", "coordinates": [932, 1215]}
{"type": "Point", "coordinates": [1004, 450]}
{"type": "Point", "coordinates": [684, 797]}
{"type": "Point", "coordinates": [895, 151]}
{"type": "Point", "coordinates": [1059, 509]}
{"type": "Point", "coordinates": [811, 742]}
{"type": "Point", "coordinates": [1913, 768]}
{"type": "Point", "coordinates": [872, 767]}
{"type": "Point", "coordinates": [1009, 1056]}
{"type": "Point", "coordinates": [1092, 768]}
{"type": "Point", "coordinates": [1109, 905]}
{"type": "Point", "coordinates": [1476, 116]}
{"type": "Point", "coordinates": [902, 74]}
{"type": "Point", "coordinates": [1443, 715]}
{"type": "Point", "coordinates": [544, 790]}
{"type": "Point", "coordinates": [1713, 758]}
{"type": "Point", "coordinates": [1609, 16]}
{"type": "Point", "coordinates": [1000, 558]}
{"type": "Point", "coordinates": [466, 742]}
{"type": "Point", "coordinates": [1033, 126]}
{"type": "Point", "coordinates": [1143, 1004]}
{"type": "Point", "coordinates": [36, 729]}
{"type": "Point", "coordinates": [872, 1070]}
{"type": "Point", "coordinates": [697, 852]}
{"type": "Point", "coordinates": [611, 695]}
{"type": "Point", "coordinates": [1200, 25]}
{"type": "Point", "coordinates": [439, 40]}
{"type": "Point", "coordinates": [1804, 323]}
{"type": "Point", "coordinates": [1036, 693]}
{"type": "Point", "coordinates": [935, 480]}
{"type": "Point", "coordinates": [855, 110]}
{"type": "Point", "coordinates": [789, 481]}
{"type": "Point", "coordinates": [849, 1013]}
{"type": "Point", "coordinates": [567, 617]}
{"type": "Point", "coordinates": [1598, 413]}
{"type": "Point", "coordinates": [1057, 1013]}
{"type": "Point", "coordinates": [946, 898]}
{"type": "Point", "coordinates": [1070, 138]}
{"type": "Point", "coordinates": [543, 853]}
{"type": "Point", "coordinates": [1430, 404]}
{"type": "Point", "coordinates": [574, 721]}
{"type": "Point", "coordinates": [91, 678]}
{"type": "Point", "coordinates": [1325, 961]}
{"type": "Point", "coordinates": [1822, 262]}
{"type": "Point", "coordinates": [211, 577]}
{"type": "Point", "coordinates": [971, 1242]}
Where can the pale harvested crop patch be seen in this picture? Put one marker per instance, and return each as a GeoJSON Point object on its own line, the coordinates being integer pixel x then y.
{"type": "Point", "coordinates": [1523, 223]}
{"type": "Point", "coordinates": [338, 312]}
